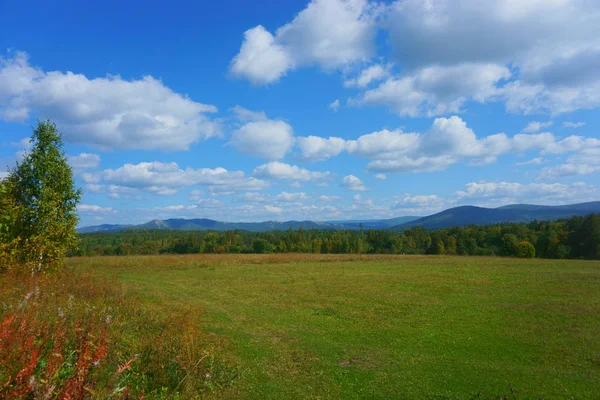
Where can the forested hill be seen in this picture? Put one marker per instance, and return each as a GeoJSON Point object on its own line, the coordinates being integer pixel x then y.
{"type": "Point", "coordinates": [577, 237]}
{"type": "Point", "coordinates": [468, 215]}
{"type": "Point", "coordinates": [204, 224]}
{"type": "Point", "coordinates": [458, 216]}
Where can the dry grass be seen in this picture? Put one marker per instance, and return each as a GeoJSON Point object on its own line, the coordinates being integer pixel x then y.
{"type": "Point", "coordinates": [75, 335]}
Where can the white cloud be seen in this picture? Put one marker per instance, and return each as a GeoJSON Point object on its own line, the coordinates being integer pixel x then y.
{"type": "Point", "coordinates": [3, 174]}
{"type": "Point", "coordinates": [273, 209]}
{"type": "Point", "coordinates": [291, 197]}
{"type": "Point", "coordinates": [513, 192]}
{"type": "Point", "coordinates": [335, 105]}
{"type": "Point", "coordinates": [420, 204]}
{"type": "Point", "coordinates": [552, 46]}
{"type": "Point", "coordinates": [94, 209]}
{"type": "Point", "coordinates": [329, 199]}
{"type": "Point", "coordinates": [586, 156]}
{"type": "Point", "coordinates": [572, 143]}
{"type": "Point", "coordinates": [447, 142]}
{"type": "Point", "coordinates": [374, 73]}
{"type": "Point", "coordinates": [107, 113]}
{"type": "Point", "coordinates": [573, 124]}
{"type": "Point", "coordinates": [84, 161]}
{"type": "Point", "coordinates": [245, 115]}
{"type": "Point", "coordinates": [437, 90]}
{"type": "Point", "coordinates": [535, 126]}
{"type": "Point", "coordinates": [382, 177]}
{"type": "Point", "coordinates": [314, 148]}
{"type": "Point", "coordinates": [533, 161]}
{"type": "Point", "coordinates": [354, 184]}
{"type": "Point", "coordinates": [279, 170]}
{"type": "Point", "coordinates": [566, 170]}
{"type": "Point", "coordinates": [383, 144]}
{"type": "Point", "coordinates": [327, 33]}
{"type": "Point", "coordinates": [270, 139]}
{"type": "Point", "coordinates": [168, 178]}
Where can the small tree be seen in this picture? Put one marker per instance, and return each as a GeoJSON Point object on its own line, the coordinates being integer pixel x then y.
{"type": "Point", "coordinates": [261, 246]}
{"type": "Point", "coordinates": [525, 250]}
{"type": "Point", "coordinates": [44, 202]}
{"type": "Point", "coordinates": [6, 238]}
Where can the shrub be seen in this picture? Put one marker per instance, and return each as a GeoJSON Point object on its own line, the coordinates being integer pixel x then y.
{"type": "Point", "coordinates": [525, 250]}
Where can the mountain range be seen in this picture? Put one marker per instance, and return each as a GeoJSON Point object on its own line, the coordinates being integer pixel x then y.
{"type": "Point", "coordinates": [457, 216]}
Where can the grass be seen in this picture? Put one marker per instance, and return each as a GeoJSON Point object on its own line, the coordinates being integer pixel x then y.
{"type": "Point", "coordinates": [321, 327]}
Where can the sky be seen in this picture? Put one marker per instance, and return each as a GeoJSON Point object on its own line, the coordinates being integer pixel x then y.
{"type": "Point", "coordinates": [295, 110]}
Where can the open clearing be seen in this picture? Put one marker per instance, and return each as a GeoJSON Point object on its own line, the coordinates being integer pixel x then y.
{"type": "Point", "coordinates": [296, 326]}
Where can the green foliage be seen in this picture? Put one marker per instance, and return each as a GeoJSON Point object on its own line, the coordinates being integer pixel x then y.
{"type": "Point", "coordinates": [261, 246]}
{"type": "Point", "coordinates": [525, 249]}
{"type": "Point", "coordinates": [578, 237]}
{"type": "Point", "coordinates": [304, 326]}
{"type": "Point", "coordinates": [43, 201]}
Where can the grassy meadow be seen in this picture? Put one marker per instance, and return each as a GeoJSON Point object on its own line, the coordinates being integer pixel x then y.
{"type": "Point", "coordinates": [406, 327]}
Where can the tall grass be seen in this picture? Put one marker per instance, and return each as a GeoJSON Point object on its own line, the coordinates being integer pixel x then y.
{"type": "Point", "coordinates": [74, 335]}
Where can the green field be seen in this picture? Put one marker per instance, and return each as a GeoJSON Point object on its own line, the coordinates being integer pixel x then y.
{"type": "Point", "coordinates": [406, 327]}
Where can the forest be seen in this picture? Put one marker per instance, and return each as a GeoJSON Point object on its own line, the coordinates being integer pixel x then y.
{"type": "Point", "coordinates": [575, 238]}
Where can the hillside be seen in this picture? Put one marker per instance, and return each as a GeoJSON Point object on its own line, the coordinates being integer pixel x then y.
{"type": "Point", "coordinates": [458, 216]}
{"type": "Point", "coordinates": [467, 215]}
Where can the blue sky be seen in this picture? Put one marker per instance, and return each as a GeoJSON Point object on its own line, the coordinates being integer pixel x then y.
{"type": "Point", "coordinates": [323, 110]}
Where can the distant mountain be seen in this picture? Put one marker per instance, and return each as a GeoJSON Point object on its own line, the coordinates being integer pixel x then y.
{"type": "Point", "coordinates": [467, 215]}
{"type": "Point", "coordinates": [209, 224]}
{"type": "Point", "coordinates": [458, 216]}
{"type": "Point", "coordinates": [375, 223]}
{"type": "Point", "coordinates": [104, 228]}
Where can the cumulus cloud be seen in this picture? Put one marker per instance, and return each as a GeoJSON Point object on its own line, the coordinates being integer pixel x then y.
{"type": "Point", "coordinates": [273, 209]}
{"type": "Point", "coordinates": [269, 139]}
{"type": "Point", "coordinates": [553, 47]}
{"type": "Point", "coordinates": [314, 148]}
{"type": "Point", "coordinates": [437, 90]}
{"type": "Point", "coordinates": [446, 53]}
{"type": "Point", "coordinates": [282, 171]}
{"type": "Point", "coordinates": [513, 192]}
{"type": "Point", "coordinates": [588, 155]}
{"type": "Point", "coordinates": [382, 177]}
{"type": "Point", "coordinates": [354, 184]}
{"type": "Point", "coordinates": [566, 170]}
{"type": "Point", "coordinates": [108, 112]}
{"type": "Point", "coordinates": [428, 201]}
{"type": "Point", "coordinates": [368, 75]}
{"type": "Point", "coordinates": [168, 178]}
{"type": "Point", "coordinates": [84, 161]}
{"type": "Point", "coordinates": [448, 141]}
{"type": "Point", "coordinates": [327, 33]}
{"type": "Point", "coordinates": [535, 126]}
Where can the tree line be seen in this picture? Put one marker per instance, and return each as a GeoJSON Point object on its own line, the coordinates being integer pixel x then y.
{"type": "Point", "coordinates": [576, 237]}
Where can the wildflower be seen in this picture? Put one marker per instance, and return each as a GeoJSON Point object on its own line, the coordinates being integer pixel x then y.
{"type": "Point", "coordinates": [108, 319]}
{"type": "Point", "coordinates": [61, 313]}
